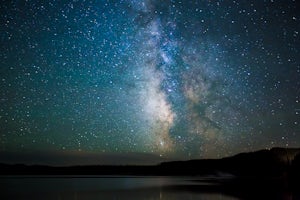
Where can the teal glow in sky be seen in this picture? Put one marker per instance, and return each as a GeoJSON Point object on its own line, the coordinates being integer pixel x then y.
{"type": "Point", "coordinates": [172, 79]}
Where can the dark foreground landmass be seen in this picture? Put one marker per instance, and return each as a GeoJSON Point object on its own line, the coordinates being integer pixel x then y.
{"type": "Point", "coordinates": [265, 174]}
{"type": "Point", "coordinates": [277, 162]}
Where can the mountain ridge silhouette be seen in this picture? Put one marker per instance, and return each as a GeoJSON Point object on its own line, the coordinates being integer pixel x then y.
{"type": "Point", "coordinates": [275, 162]}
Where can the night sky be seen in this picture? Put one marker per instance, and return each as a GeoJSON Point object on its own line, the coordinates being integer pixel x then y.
{"type": "Point", "coordinates": [148, 79]}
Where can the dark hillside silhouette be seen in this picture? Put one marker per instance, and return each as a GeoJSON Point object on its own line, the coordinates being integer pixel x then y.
{"type": "Point", "coordinates": [277, 162]}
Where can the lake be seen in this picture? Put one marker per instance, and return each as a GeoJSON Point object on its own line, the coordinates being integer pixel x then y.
{"type": "Point", "coordinates": [147, 188]}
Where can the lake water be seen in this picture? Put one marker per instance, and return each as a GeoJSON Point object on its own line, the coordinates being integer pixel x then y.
{"type": "Point", "coordinates": [148, 188]}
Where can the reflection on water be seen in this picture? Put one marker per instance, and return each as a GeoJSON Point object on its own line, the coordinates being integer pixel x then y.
{"type": "Point", "coordinates": [148, 188]}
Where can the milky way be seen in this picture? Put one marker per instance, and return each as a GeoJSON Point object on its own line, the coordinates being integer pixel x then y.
{"type": "Point", "coordinates": [176, 79]}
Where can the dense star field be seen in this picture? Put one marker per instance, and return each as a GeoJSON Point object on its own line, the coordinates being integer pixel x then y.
{"type": "Point", "coordinates": [172, 79]}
